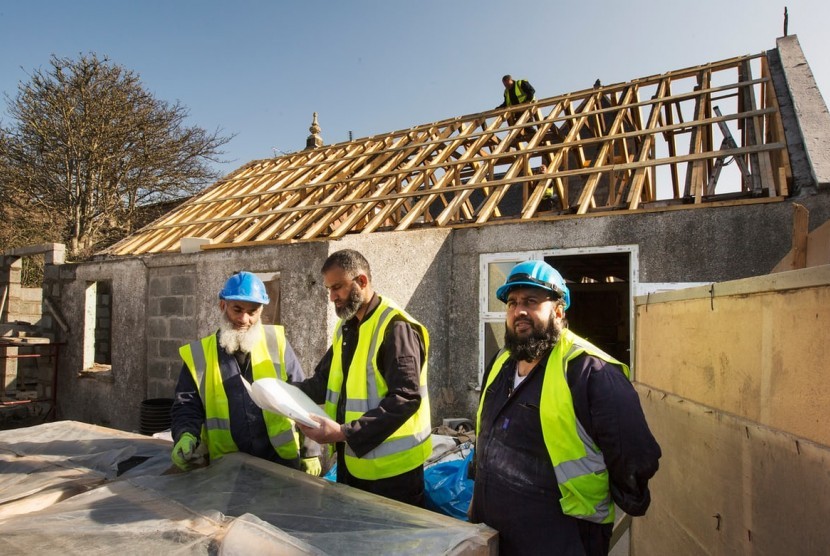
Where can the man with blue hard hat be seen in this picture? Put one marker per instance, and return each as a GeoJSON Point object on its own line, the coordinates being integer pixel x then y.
{"type": "Point", "coordinates": [561, 436]}
{"type": "Point", "coordinates": [212, 413]}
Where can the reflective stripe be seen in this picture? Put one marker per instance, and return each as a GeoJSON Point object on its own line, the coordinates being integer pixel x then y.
{"type": "Point", "coordinates": [578, 467]}
{"type": "Point", "coordinates": [371, 383]}
{"type": "Point", "coordinates": [357, 406]}
{"type": "Point", "coordinates": [198, 352]}
{"type": "Point", "coordinates": [282, 438]}
{"type": "Point", "coordinates": [215, 423]}
{"type": "Point", "coordinates": [602, 511]}
{"type": "Point", "coordinates": [362, 406]}
{"type": "Point", "coordinates": [332, 397]}
{"type": "Point", "coordinates": [574, 349]}
{"type": "Point", "coordinates": [273, 349]}
{"type": "Point", "coordinates": [393, 446]}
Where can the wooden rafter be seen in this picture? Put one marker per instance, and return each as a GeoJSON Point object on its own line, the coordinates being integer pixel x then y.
{"type": "Point", "coordinates": [615, 147]}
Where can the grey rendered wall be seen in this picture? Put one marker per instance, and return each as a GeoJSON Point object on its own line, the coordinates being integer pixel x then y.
{"type": "Point", "coordinates": [694, 245]}
{"type": "Point", "coordinates": [108, 399]}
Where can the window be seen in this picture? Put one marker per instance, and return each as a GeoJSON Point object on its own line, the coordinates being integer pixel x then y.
{"type": "Point", "coordinates": [98, 326]}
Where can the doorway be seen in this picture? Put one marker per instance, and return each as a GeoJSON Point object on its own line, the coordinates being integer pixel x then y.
{"type": "Point", "coordinates": [600, 288]}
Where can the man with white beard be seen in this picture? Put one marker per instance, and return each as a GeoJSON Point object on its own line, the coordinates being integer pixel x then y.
{"type": "Point", "coordinates": [212, 412]}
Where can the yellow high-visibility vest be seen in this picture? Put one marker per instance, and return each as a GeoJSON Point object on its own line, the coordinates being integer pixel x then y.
{"type": "Point", "coordinates": [577, 461]}
{"type": "Point", "coordinates": [520, 94]}
{"type": "Point", "coordinates": [410, 445]}
{"type": "Point", "coordinates": [267, 361]}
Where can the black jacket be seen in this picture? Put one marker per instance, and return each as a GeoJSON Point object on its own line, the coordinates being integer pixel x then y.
{"type": "Point", "coordinates": [516, 491]}
{"type": "Point", "coordinates": [526, 88]}
{"type": "Point", "coordinates": [399, 361]}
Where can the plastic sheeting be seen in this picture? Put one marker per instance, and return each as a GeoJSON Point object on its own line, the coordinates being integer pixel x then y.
{"type": "Point", "coordinates": [73, 488]}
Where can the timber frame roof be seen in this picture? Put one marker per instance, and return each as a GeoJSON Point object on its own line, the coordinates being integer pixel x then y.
{"type": "Point", "coordinates": [654, 142]}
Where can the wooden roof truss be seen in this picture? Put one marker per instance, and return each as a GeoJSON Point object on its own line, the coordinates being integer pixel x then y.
{"type": "Point", "coordinates": [651, 142]}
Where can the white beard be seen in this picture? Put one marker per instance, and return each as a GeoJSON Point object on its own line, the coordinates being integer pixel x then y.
{"type": "Point", "coordinates": [232, 340]}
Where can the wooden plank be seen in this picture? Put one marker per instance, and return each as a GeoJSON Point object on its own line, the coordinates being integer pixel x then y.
{"type": "Point", "coordinates": [672, 145]}
{"type": "Point", "coordinates": [420, 179]}
{"type": "Point", "coordinates": [760, 163]}
{"type": "Point", "coordinates": [426, 201]}
{"type": "Point", "coordinates": [561, 174]}
{"type": "Point", "coordinates": [694, 169]}
{"type": "Point", "coordinates": [645, 149]}
{"type": "Point", "coordinates": [728, 484]}
{"type": "Point", "coordinates": [593, 180]}
{"type": "Point", "coordinates": [542, 218]}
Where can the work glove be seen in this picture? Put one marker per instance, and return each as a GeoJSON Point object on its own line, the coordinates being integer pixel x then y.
{"type": "Point", "coordinates": [184, 452]}
{"type": "Point", "coordinates": [312, 466]}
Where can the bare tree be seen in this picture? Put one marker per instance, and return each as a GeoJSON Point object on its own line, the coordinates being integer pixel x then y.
{"type": "Point", "coordinates": [91, 146]}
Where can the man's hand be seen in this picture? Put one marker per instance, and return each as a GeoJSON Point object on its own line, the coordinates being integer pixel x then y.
{"type": "Point", "coordinates": [312, 466]}
{"type": "Point", "coordinates": [184, 452]}
{"type": "Point", "coordinates": [328, 432]}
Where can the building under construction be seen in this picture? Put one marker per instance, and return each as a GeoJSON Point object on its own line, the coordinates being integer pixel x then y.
{"type": "Point", "coordinates": [686, 211]}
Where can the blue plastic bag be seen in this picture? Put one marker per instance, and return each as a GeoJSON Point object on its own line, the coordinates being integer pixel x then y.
{"type": "Point", "coordinates": [331, 474]}
{"type": "Point", "coordinates": [447, 488]}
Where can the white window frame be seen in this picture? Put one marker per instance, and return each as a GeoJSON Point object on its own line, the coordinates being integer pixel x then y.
{"type": "Point", "coordinates": [486, 259]}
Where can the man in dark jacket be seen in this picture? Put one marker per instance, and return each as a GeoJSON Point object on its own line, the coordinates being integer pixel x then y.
{"type": "Point", "coordinates": [516, 92]}
{"type": "Point", "coordinates": [561, 434]}
{"type": "Point", "coordinates": [373, 380]}
{"type": "Point", "coordinates": [212, 413]}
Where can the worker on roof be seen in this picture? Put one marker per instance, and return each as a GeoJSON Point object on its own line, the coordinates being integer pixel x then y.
{"type": "Point", "coordinates": [373, 380]}
{"type": "Point", "coordinates": [516, 92]}
{"type": "Point", "coordinates": [561, 435]}
{"type": "Point", "coordinates": [212, 413]}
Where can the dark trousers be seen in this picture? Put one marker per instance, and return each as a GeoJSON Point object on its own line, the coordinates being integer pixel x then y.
{"type": "Point", "coordinates": [408, 487]}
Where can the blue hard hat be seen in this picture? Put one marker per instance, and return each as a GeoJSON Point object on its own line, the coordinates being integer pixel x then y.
{"type": "Point", "coordinates": [244, 286]}
{"type": "Point", "coordinates": [535, 274]}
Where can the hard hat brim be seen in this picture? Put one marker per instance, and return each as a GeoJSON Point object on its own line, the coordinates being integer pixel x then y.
{"type": "Point", "coordinates": [247, 298]}
{"type": "Point", "coordinates": [504, 289]}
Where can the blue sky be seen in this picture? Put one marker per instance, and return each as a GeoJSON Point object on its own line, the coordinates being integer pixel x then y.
{"type": "Point", "coordinates": [259, 69]}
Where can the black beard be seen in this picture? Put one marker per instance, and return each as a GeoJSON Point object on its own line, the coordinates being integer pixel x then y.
{"type": "Point", "coordinates": [533, 346]}
{"type": "Point", "coordinates": [352, 305]}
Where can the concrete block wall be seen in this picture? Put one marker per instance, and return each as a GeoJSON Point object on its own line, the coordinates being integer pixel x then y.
{"type": "Point", "coordinates": [171, 323]}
